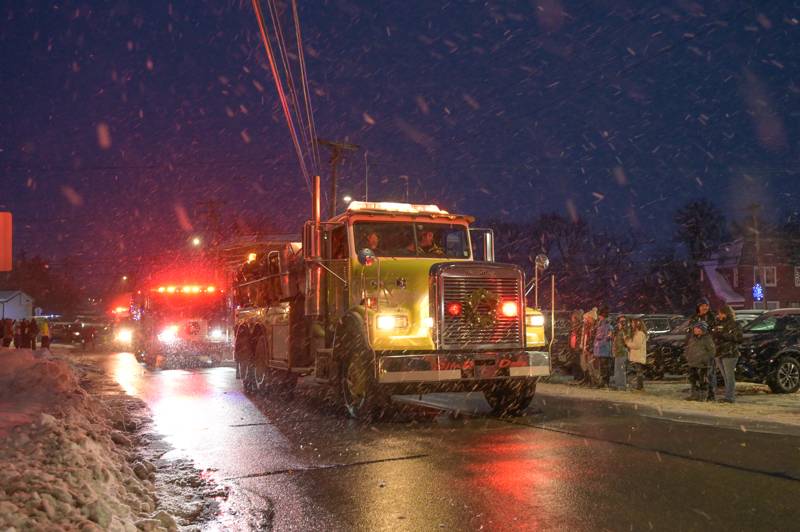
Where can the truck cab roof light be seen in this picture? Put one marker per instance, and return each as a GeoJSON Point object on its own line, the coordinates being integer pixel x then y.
{"type": "Point", "coordinates": [390, 206]}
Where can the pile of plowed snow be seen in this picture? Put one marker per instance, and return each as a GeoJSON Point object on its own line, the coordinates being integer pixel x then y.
{"type": "Point", "coordinates": [63, 465]}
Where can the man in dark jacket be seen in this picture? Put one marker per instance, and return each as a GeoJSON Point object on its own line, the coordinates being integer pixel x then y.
{"type": "Point", "coordinates": [700, 351]}
{"type": "Point", "coordinates": [727, 337]}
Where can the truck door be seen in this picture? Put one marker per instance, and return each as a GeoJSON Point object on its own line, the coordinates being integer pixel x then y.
{"type": "Point", "coordinates": [337, 259]}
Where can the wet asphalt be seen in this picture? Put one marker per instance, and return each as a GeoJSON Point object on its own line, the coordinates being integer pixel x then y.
{"type": "Point", "coordinates": [296, 463]}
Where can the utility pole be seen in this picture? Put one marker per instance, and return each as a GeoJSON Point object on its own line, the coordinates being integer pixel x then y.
{"type": "Point", "coordinates": [337, 152]}
{"type": "Point", "coordinates": [366, 176]}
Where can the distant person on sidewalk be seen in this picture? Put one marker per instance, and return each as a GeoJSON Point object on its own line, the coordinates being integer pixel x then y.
{"type": "Point", "coordinates": [705, 314]}
{"type": "Point", "coordinates": [727, 337]}
{"type": "Point", "coordinates": [637, 350]}
{"type": "Point", "coordinates": [8, 332]}
{"type": "Point", "coordinates": [45, 332]}
{"type": "Point", "coordinates": [620, 352]}
{"type": "Point", "coordinates": [601, 349]}
{"type": "Point", "coordinates": [26, 334]}
{"type": "Point", "coordinates": [587, 344]}
{"type": "Point", "coordinates": [18, 334]}
{"type": "Point", "coordinates": [33, 332]}
{"type": "Point", "coordinates": [700, 351]}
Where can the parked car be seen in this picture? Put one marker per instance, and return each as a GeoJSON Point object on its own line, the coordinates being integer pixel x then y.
{"type": "Point", "coordinates": [665, 352]}
{"type": "Point", "coordinates": [745, 316]}
{"type": "Point", "coordinates": [658, 324]}
{"type": "Point", "coordinates": [770, 352]}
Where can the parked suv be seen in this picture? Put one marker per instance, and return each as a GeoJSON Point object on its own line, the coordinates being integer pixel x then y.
{"type": "Point", "coordinates": [770, 352]}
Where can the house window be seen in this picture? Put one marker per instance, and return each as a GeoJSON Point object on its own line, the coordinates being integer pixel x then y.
{"type": "Point", "coordinates": [794, 304]}
{"type": "Point", "coordinates": [797, 275]}
{"type": "Point", "coordinates": [758, 304]}
{"type": "Point", "coordinates": [768, 277]}
{"type": "Point", "coordinates": [772, 305]}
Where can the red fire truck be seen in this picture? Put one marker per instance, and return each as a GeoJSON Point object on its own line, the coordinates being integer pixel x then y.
{"type": "Point", "coordinates": [181, 325]}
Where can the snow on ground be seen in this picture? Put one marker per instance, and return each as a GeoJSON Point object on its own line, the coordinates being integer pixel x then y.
{"type": "Point", "coordinates": [755, 404]}
{"type": "Point", "coordinates": [75, 454]}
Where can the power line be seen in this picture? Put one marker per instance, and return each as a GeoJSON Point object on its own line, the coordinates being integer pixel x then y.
{"type": "Point", "coordinates": [281, 94]}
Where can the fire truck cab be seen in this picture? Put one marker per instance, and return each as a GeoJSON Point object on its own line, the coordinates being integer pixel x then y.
{"type": "Point", "coordinates": [384, 299]}
{"type": "Point", "coordinates": [181, 325]}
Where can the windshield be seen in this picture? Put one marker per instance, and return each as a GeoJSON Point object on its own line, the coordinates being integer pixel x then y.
{"type": "Point", "coordinates": [409, 239]}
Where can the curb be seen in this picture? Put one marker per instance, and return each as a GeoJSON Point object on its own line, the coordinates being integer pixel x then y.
{"type": "Point", "coordinates": [665, 412]}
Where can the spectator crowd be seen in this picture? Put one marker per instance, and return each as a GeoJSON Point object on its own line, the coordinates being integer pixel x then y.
{"type": "Point", "coordinates": [608, 350]}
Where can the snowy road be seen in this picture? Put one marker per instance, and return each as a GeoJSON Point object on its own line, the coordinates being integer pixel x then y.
{"type": "Point", "coordinates": [295, 465]}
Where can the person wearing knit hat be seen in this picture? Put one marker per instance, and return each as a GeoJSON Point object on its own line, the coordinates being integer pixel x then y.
{"type": "Point", "coordinates": [705, 314]}
{"type": "Point", "coordinates": [727, 337]}
{"type": "Point", "coordinates": [699, 353]}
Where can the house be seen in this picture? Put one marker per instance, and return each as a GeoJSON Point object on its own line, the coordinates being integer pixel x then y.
{"type": "Point", "coordinates": [732, 275]}
{"type": "Point", "coordinates": [15, 304]}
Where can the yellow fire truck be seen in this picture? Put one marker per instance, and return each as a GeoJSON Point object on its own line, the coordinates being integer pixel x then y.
{"type": "Point", "coordinates": [384, 299]}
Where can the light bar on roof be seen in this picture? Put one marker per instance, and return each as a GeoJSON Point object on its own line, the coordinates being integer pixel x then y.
{"type": "Point", "coordinates": [389, 206]}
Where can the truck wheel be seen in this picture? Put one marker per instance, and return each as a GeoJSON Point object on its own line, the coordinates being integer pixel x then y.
{"type": "Point", "coordinates": [361, 394]}
{"type": "Point", "coordinates": [261, 371]}
{"type": "Point", "coordinates": [244, 362]}
{"type": "Point", "coordinates": [785, 377]}
{"type": "Point", "coordinates": [510, 398]}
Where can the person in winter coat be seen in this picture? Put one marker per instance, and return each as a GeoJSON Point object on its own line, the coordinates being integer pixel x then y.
{"type": "Point", "coordinates": [33, 332]}
{"type": "Point", "coordinates": [8, 332]}
{"type": "Point", "coordinates": [601, 349]}
{"type": "Point", "coordinates": [705, 314]}
{"type": "Point", "coordinates": [620, 352]}
{"type": "Point", "coordinates": [727, 337]}
{"type": "Point", "coordinates": [44, 330]}
{"type": "Point", "coordinates": [587, 344]}
{"type": "Point", "coordinates": [637, 350]}
{"type": "Point", "coordinates": [26, 334]}
{"type": "Point", "coordinates": [18, 334]}
{"type": "Point", "coordinates": [700, 351]}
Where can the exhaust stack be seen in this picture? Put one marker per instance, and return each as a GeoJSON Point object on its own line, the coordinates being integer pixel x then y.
{"type": "Point", "coordinates": [312, 247]}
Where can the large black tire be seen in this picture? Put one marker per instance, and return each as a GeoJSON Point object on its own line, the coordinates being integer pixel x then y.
{"type": "Point", "coordinates": [509, 398]}
{"type": "Point", "coordinates": [362, 397]}
{"type": "Point", "coordinates": [243, 352]}
{"type": "Point", "coordinates": [261, 371]}
{"type": "Point", "coordinates": [785, 376]}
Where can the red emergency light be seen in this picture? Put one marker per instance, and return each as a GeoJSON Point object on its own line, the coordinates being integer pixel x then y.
{"type": "Point", "coordinates": [186, 289]}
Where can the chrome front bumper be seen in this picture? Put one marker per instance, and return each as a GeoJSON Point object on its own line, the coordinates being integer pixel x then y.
{"type": "Point", "coordinates": [461, 367]}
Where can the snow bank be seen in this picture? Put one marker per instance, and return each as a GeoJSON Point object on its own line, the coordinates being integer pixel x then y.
{"type": "Point", "coordinates": [63, 464]}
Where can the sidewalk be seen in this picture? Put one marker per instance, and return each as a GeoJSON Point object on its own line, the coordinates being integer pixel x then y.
{"type": "Point", "coordinates": [756, 409]}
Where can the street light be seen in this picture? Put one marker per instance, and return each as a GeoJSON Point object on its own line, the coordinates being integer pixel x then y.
{"type": "Point", "coordinates": [124, 277]}
{"type": "Point", "coordinates": [347, 199]}
{"type": "Point", "coordinates": [196, 241]}
{"type": "Point", "coordinates": [541, 262]}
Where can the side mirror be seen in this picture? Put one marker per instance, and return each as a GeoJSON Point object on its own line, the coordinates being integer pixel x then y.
{"type": "Point", "coordinates": [482, 244]}
{"type": "Point", "coordinates": [366, 257]}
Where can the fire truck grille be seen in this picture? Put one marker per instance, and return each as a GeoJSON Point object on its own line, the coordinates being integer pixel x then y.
{"type": "Point", "coordinates": [483, 326]}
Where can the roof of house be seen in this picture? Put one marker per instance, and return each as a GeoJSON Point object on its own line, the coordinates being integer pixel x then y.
{"type": "Point", "coordinates": [7, 295]}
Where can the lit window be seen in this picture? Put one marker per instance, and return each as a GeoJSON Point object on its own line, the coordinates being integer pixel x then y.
{"type": "Point", "coordinates": [768, 277]}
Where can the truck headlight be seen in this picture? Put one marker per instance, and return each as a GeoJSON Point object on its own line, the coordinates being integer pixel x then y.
{"type": "Point", "coordinates": [169, 334]}
{"type": "Point", "coordinates": [124, 336]}
{"type": "Point", "coordinates": [534, 320]}
{"type": "Point", "coordinates": [215, 334]}
{"type": "Point", "coordinates": [387, 322]}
